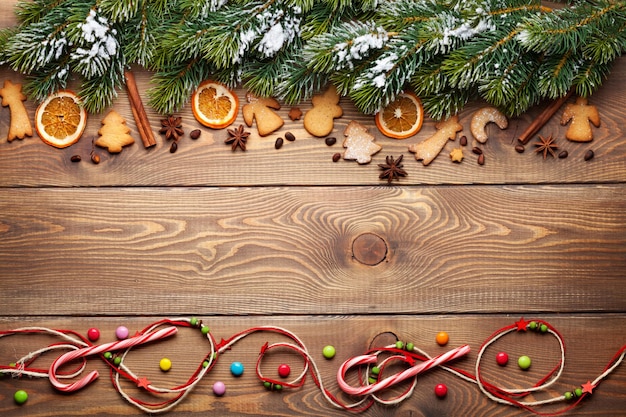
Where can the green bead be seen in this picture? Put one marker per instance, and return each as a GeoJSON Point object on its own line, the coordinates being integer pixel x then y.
{"type": "Point", "coordinates": [543, 328]}
{"type": "Point", "coordinates": [205, 330]}
{"type": "Point", "coordinates": [578, 392]}
{"type": "Point", "coordinates": [399, 345]}
{"type": "Point", "coordinates": [524, 362]}
{"type": "Point", "coordinates": [375, 370]}
{"type": "Point", "coordinates": [13, 365]}
{"type": "Point", "coordinates": [568, 395]}
{"type": "Point", "coordinates": [108, 356]}
{"type": "Point", "coordinates": [278, 387]}
{"type": "Point", "coordinates": [329, 352]}
{"type": "Point", "coordinates": [410, 346]}
{"type": "Point", "coordinates": [193, 321]}
{"type": "Point", "coordinates": [267, 385]}
{"type": "Point", "coordinates": [372, 380]}
{"type": "Point", "coordinates": [532, 325]}
{"type": "Point", "coordinates": [205, 364]}
{"type": "Point", "coordinates": [20, 397]}
{"type": "Point", "coordinates": [117, 361]}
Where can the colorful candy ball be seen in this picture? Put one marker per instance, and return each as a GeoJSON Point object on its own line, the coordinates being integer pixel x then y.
{"type": "Point", "coordinates": [20, 397]}
{"type": "Point", "coordinates": [93, 334]}
{"type": "Point", "coordinates": [502, 358]}
{"type": "Point", "coordinates": [442, 338]}
{"type": "Point", "coordinates": [165, 364]}
{"type": "Point", "coordinates": [219, 388]}
{"type": "Point", "coordinates": [524, 362]}
{"type": "Point", "coordinates": [441, 390]}
{"type": "Point", "coordinates": [236, 368]}
{"type": "Point", "coordinates": [122, 332]}
{"type": "Point", "coordinates": [284, 370]}
{"type": "Point", "coordinates": [329, 352]}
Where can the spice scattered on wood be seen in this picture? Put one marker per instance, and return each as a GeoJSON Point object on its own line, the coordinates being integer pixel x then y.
{"type": "Point", "coordinates": [392, 169]}
{"type": "Point", "coordinates": [546, 146]}
{"type": "Point", "coordinates": [237, 138]}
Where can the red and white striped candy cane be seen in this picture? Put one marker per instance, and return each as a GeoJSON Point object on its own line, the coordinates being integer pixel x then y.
{"type": "Point", "coordinates": [95, 350]}
{"type": "Point", "coordinates": [394, 379]}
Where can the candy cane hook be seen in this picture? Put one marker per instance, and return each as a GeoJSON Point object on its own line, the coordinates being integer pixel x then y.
{"type": "Point", "coordinates": [95, 350]}
{"type": "Point", "coordinates": [394, 379]}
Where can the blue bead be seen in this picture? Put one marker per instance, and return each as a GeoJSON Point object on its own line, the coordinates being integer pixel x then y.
{"type": "Point", "coordinates": [236, 368]}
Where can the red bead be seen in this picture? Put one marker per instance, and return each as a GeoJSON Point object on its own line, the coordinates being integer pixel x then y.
{"type": "Point", "coordinates": [502, 358]}
{"type": "Point", "coordinates": [284, 370]}
{"type": "Point", "coordinates": [93, 334]}
{"type": "Point", "coordinates": [441, 390]}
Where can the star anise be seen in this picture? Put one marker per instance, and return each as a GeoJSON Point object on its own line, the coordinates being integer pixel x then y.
{"type": "Point", "coordinates": [237, 137]}
{"type": "Point", "coordinates": [392, 169]}
{"type": "Point", "coordinates": [546, 146]}
{"type": "Point", "coordinates": [172, 127]}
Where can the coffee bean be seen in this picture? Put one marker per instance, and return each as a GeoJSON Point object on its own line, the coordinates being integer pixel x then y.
{"type": "Point", "coordinates": [463, 140]}
{"type": "Point", "coordinates": [330, 141]}
{"type": "Point", "coordinates": [336, 157]}
{"type": "Point", "coordinates": [290, 137]}
{"type": "Point", "coordinates": [563, 154]}
{"type": "Point", "coordinates": [519, 148]}
{"type": "Point", "coordinates": [481, 159]}
{"type": "Point", "coordinates": [477, 151]}
{"type": "Point", "coordinates": [95, 158]}
{"type": "Point", "coordinates": [75, 158]}
{"type": "Point", "coordinates": [195, 134]}
{"type": "Point", "coordinates": [279, 143]}
{"type": "Point", "coordinates": [588, 155]}
{"type": "Point", "coordinates": [174, 147]}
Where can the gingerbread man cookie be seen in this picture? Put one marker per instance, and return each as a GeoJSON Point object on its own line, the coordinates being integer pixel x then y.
{"type": "Point", "coordinates": [428, 150]}
{"type": "Point", "coordinates": [319, 121]}
{"type": "Point", "coordinates": [582, 115]}
{"type": "Point", "coordinates": [12, 96]}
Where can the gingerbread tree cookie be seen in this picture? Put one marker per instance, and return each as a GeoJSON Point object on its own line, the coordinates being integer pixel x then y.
{"type": "Point", "coordinates": [319, 121]}
{"type": "Point", "coordinates": [260, 109]}
{"type": "Point", "coordinates": [13, 97]}
{"type": "Point", "coordinates": [359, 143]}
{"type": "Point", "coordinates": [582, 115]}
{"type": "Point", "coordinates": [114, 133]}
{"type": "Point", "coordinates": [428, 150]}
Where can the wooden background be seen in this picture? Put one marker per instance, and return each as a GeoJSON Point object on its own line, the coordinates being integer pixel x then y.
{"type": "Point", "coordinates": [265, 237]}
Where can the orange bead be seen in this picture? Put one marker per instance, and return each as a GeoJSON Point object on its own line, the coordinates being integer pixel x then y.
{"type": "Point", "coordinates": [442, 338]}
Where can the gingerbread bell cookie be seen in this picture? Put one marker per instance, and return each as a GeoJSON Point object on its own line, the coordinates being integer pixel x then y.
{"type": "Point", "coordinates": [13, 97]}
{"type": "Point", "coordinates": [319, 121]}
{"type": "Point", "coordinates": [581, 115]}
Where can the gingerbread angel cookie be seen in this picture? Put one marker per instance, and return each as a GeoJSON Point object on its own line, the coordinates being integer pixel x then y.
{"type": "Point", "coordinates": [582, 115]}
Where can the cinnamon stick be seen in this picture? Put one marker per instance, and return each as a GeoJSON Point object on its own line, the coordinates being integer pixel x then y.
{"type": "Point", "coordinates": [543, 118]}
{"type": "Point", "coordinates": [139, 112]}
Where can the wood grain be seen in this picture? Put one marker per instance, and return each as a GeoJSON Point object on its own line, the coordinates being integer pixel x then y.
{"type": "Point", "coordinates": [351, 336]}
{"type": "Point", "coordinates": [289, 250]}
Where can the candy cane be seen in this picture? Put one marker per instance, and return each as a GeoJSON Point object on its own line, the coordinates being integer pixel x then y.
{"type": "Point", "coordinates": [95, 350]}
{"type": "Point", "coordinates": [394, 379]}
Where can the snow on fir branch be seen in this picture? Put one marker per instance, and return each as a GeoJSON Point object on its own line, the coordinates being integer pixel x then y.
{"type": "Point", "coordinates": [511, 53]}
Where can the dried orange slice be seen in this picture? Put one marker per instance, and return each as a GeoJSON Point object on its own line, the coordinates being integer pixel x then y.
{"type": "Point", "coordinates": [61, 119]}
{"type": "Point", "coordinates": [214, 105]}
{"type": "Point", "coordinates": [402, 118]}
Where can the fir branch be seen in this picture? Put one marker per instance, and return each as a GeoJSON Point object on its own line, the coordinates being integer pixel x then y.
{"type": "Point", "coordinates": [590, 76]}
{"type": "Point", "coordinates": [300, 83]}
{"type": "Point", "coordinates": [446, 103]}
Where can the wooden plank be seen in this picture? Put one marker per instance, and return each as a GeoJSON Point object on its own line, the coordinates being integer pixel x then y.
{"type": "Point", "coordinates": [590, 344]}
{"type": "Point", "coordinates": [290, 250]}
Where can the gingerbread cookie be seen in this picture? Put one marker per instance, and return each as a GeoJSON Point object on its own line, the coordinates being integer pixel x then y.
{"type": "Point", "coordinates": [13, 97]}
{"type": "Point", "coordinates": [114, 133]}
{"type": "Point", "coordinates": [582, 115]}
{"type": "Point", "coordinates": [260, 109]}
{"type": "Point", "coordinates": [359, 143]}
{"type": "Point", "coordinates": [319, 121]}
{"type": "Point", "coordinates": [482, 117]}
{"type": "Point", "coordinates": [428, 150]}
